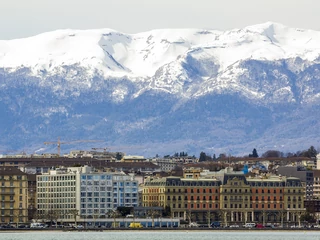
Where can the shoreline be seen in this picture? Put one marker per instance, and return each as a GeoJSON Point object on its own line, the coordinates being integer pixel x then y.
{"type": "Point", "coordinates": [160, 229]}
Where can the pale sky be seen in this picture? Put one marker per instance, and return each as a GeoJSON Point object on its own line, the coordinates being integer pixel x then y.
{"type": "Point", "coordinates": [25, 18]}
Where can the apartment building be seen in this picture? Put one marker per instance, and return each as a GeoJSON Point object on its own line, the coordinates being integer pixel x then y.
{"type": "Point", "coordinates": [57, 194]}
{"type": "Point", "coordinates": [228, 196]}
{"type": "Point", "coordinates": [305, 175]}
{"type": "Point", "coordinates": [79, 193]}
{"type": "Point", "coordinates": [102, 192]}
{"type": "Point", "coordinates": [13, 196]}
{"type": "Point", "coordinates": [183, 196]}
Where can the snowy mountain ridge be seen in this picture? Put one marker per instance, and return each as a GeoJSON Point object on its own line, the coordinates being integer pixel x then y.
{"type": "Point", "coordinates": [173, 89]}
{"type": "Point", "coordinates": [142, 54]}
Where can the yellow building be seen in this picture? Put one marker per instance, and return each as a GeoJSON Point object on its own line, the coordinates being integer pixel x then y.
{"type": "Point", "coordinates": [13, 196]}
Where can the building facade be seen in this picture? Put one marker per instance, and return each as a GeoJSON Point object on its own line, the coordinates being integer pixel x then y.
{"type": "Point", "coordinates": [229, 197]}
{"type": "Point", "coordinates": [79, 193]}
{"type": "Point", "coordinates": [13, 196]}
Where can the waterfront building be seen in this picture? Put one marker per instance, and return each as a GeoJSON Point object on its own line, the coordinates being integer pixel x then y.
{"type": "Point", "coordinates": [57, 194]}
{"type": "Point", "coordinates": [184, 197]}
{"type": "Point", "coordinates": [103, 192]}
{"type": "Point", "coordinates": [81, 194]}
{"type": "Point", "coordinates": [13, 196]}
{"type": "Point", "coordinates": [229, 197]}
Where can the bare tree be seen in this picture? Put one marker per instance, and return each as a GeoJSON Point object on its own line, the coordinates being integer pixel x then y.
{"type": "Point", "coordinates": [209, 216]}
{"type": "Point", "coordinates": [75, 214]}
{"type": "Point", "coordinates": [113, 214]}
{"type": "Point", "coordinates": [152, 213]}
{"type": "Point", "coordinates": [189, 215]}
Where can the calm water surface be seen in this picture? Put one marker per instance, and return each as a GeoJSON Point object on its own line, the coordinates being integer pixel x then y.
{"type": "Point", "coordinates": [162, 235]}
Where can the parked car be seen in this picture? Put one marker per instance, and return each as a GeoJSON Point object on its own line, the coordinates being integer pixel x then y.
{"type": "Point", "coordinates": [234, 226]}
{"type": "Point", "coordinates": [258, 225]}
{"type": "Point", "coordinates": [38, 225]}
{"type": "Point", "coordinates": [193, 224]}
{"type": "Point", "coordinates": [249, 225]}
{"type": "Point", "coordinates": [135, 225]}
{"type": "Point", "coordinates": [215, 224]}
{"type": "Point", "coordinates": [79, 226]}
{"type": "Point", "coordinates": [269, 226]}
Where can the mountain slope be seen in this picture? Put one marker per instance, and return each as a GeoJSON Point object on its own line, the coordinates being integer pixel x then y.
{"type": "Point", "coordinates": [163, 91]}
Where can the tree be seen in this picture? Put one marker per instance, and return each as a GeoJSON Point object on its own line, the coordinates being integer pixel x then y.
{"type": "Point", "coordinates": [222, 156]}
{"type": "Point", "coordinates": [118, 156]}
{"type": "Point", "coordinates": [312, 152]}
{"type": "Point", "coordinates": [209, 216]}
{"type": "Point", "coordinates": [152, 213]}
{"type": "Point", "coordinates": [189, 215]}
{"type": "Point", "coordinates": [75, 214]}
{"type": "Point", "coordinates": [202, 157]}
{"type": "Point", "coordinates": [113, 214]}
{"type": "Point", "coordinates": [254, 153]}
{"type": "Point", "coordinates": [272, 153]}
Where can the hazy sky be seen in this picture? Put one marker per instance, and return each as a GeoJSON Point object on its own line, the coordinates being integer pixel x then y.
{"type": "Point", "coordinates": [24, 18]}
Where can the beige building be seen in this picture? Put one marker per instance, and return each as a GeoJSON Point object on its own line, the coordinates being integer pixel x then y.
{"type": "Point", "coordinates": [133, 159]}
{"type": "Point", "coordinates": [13, 196]}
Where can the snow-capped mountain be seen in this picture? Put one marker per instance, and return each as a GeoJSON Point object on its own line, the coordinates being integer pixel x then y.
{"type": "Point", "coordinates": [164, 90]}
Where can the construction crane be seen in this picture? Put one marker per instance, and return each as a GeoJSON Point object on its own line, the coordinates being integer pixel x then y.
{"type": "Point", "coordinates": [58, 143]}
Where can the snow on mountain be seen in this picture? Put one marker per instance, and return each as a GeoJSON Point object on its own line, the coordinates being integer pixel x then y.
{"type": "Point", "coordinates": [141, 55]}
{"type": "Point", "coordinates": [169, 89]}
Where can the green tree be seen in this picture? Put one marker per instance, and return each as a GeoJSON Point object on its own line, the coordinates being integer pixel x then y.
{"type": "Point", "coordinates": [214, 158]}
{"type": "Point", "coordinates": [312, 152]}
{"type": "Point", "coordinates": [202, 157]}
{"type": "Point", "coordinates": [118, 156]}
{"type": "Point", "coordinates": [254, 153]}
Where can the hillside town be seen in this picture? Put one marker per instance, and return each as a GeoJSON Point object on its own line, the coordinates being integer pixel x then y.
{"type": "Point", "coordinates": [102, 189]}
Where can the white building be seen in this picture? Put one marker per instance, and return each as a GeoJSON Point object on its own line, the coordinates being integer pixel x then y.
{"type": "Point", "coordinates": [102, 192]}
{"type": "Point", "coordinates": [64, 194]}
{"type": "Point", "coordinates": [165, 164]}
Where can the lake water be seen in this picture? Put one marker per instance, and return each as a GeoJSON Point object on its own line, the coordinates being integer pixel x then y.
{"type": "Point", "coordinates": [163, 235]}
